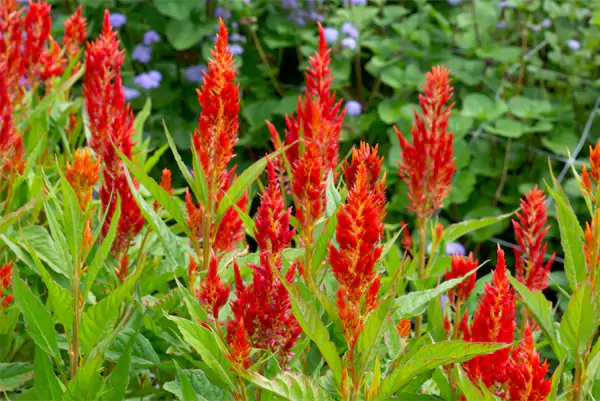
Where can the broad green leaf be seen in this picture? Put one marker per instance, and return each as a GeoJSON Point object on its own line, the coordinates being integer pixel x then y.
{"type": "Point", "coordinates": [46, 384]}
{"type": "Point", "coordinates": [321, 249]}
{"type": "Point", "coordinates": [507, 128]}
{"type": "Point", "coordinates": [187, 390]}
{"type": "Point", "coordinates": [87, 383]}
{"type": "Point", "coordinates": [332, 195]}
{"type": "Point", "coordinates": [556, 381]}
{"type": "Point", "coordinates": [14, 375]}
{"type": "Point", "coordinates": [140, 119]}
{"type": "Point", "coordinates": [39, 321]}
{"type": "Point", "coordinates": [71, 219]}
{"type": "Point", "coordinates": [370, 337]}
{"type": "Point", "coordinates": [457, 230]}
{"type": "Point", "coordinates": [45, 248]}
{"type": "Point", "coordinates": [429, 357]}
{"type": "Point", "coordinates": [186, 34]}
{"type": "Point", "coordinates": [119, 377]}
{"type": "Point", "coordinates": [579, 322]}
{"type": "Point", "coordinates": [291, 386]}
{"type": "Point", "coordinates": [165, 235]}
{"type": "Point", "coordinates": [6, 220]}
{"type": "Point", "coordinates": [99, 320]}
{"type": "Point", "coordinates": [541, 310]}
{"type": "Point", "coordinates": [203, 388]}
{"type": "Point", "coordinates": [415, 303]}
{"type": "Point", "coordinates": [178, 10]}
{"type": "Point", "coordinates": [203, 341]}
{"type": "Point", "coordinates": [199, 177]}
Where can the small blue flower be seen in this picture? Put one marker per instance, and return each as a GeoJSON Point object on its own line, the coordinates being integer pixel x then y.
{"type": "Point", "coordinates": [236, 37]}
{"type": "Point", "coordinates": [349, 43]}
{"type": "Point", "coordinates": [547, 23]}
{"type": "Point", "coordinates": [131, 93]}
{"type": "Point", "coordinates": [331, 34]}
{"type": "Point", "coordinates": [443, 300]}
{"type": "Point", "coordinates": [317, 17]}
{"type": "Point", "coordinates": [454, 2]}
{"type": "Point", "coordinates": [148, 80]}
{"type": "Point", "coordinates": [289, 4]}
{"type": "Point", "coordinates": [501, 25]}
{"type": "Point", "coordinates": [141, 53]}
{"type": "Point", "coordinates": [234, 25]}
{"type": "Point", "coordinates": [353, 108]}
{"type": "Point", "coordinates": [151, 37]}
{"type": "Point", "coordinates": [117, 20]}
{"type": "Point", "coordinates": [222, 12]}
{"type": "Point", "coordinates": [195, 73]}
{"type": "Point", "coordinates": [355, 2]}
{"type": "Point", "coordinates": [349, 29]}
{"type": "Point", "coordinates": [236, 49]}
{"type": "Point", "coordinates": [504, 4]}
{"type": "Point", "coordinates": [573, 44]}
{"type": "Point", "coordinates": [300, 21]}
{"type": "Point", "coordinates": [455, 248]}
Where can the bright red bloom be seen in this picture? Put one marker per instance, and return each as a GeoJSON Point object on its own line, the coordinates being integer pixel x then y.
{"type": "Point", "coordinates": [230, 230]}
{"type": "Point", "coordinates": [593, 174]}
{"type": "Point", "coordinates": [11, 142]}
{"type": "Point", "coordinates": [403, 328]}
{"type": "Point", "coordinates": [308, 188]}
{"type": "Point", "coordinates": [494, 321]}
{"type": "Point", "coordinates": [368, 156]}
{"type": "Point", "coordinates": [530, 232]}
{"type": "Point", "coordinates": [75, 33]}
{"type": "Point", "coordinates": [526, 375]}
{"type": "Point", "coordinates": [460, 267]}
{"type": "Point", "coordinates": [11, 45]}
{"type": "Point", "coordinates": [52, 63]}
{"type": "Point", "coordinates": [591, 248]}
{"type": "Point", "coordinates": [165, 183]}
{"type": "Point", "coordinates": [358, 235]}
{"type": "Point", "coordinates": [406, 237]}
{"type": "Point", "coordinates": [83, 175]}
{"type": "Point", "coordinates": [239, 345]}
{"type": "Point", "coordinates": [111, 124]}
{"type": "Point", "coordinates": [428, 164]}
{"type": "Point", "coordinates": [212, 293]}
{"type": "Point", "coordinates": [5, 283]}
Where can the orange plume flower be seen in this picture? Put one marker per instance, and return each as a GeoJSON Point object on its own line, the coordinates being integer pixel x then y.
{"type": "Point", "coordinates": [83, 175]}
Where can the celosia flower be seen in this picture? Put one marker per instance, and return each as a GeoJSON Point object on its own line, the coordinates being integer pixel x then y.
{"type": "Point", "coordinates": [165, 183]}
{"type": "Point", "coordinates": [406, 237]}
{"type": "Point", "coordinates": [358, 235]}
{"type": "Point", "coordinates": [75, 33]}
{"type": "Point", "coordinates": [591, 248]}
{"type": "Point", "coordinates": [239, 353]}
{"type": "Point", "coordinates": [530, 232]}
{"type": "Point", "coordinates": [212, 293]}
{"type": "Point", "coordinates": [494, 321]}
{"type": "Point", "coordinates": [82, 176]}
{"type": "Point", "coordinates": [593, 176]}
{"type": "Point", "coordinates": [460, 267]}
{"type": "Point", "coordinates": [427, 164]}
{"type": "Point", "coordinates": [11, 141]}
{"type": "Point", "coordinates": [403, 328]}
{"type": "Point", "coordinates": [526, 375]}
{"type": "Point", "coordinates": [5, 282]}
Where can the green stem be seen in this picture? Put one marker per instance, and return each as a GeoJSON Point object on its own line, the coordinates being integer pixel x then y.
{"type": "Point", "coordinates": [76, 307]}
{"type": "Point", "coordinates": [421, 227]}
{"type": "Point", "coordinates": [265, 61]}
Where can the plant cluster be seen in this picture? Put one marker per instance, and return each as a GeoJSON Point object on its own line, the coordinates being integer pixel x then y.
{"type": "Point", "coordinates": [114, 285]}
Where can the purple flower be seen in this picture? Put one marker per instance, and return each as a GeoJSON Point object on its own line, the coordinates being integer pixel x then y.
{"type": "Point", "coordinates": [353, 108]}
{"type": "Point", "coordinates": [236, 49]}
{"type": "Point", "coordinates": [355, 2]}
{"type": "Point", "coordinates": [300, 21]}
{"type": "Point", "coordinates": [573, 44]}
{"type": "Point", "coordinates": [455, 248]}
{"type": "Point", "coordinates": [148, 80]}
{"type": "Point", "coordinates": [236, 37]}
{"type": "Point", "coordinates": [547, 23]}
{"type": "Point", "coordinates": [195, 73]}
{"type": "Point", "coordinates": [315, 16]}
{"type": "Point", "coordinates": [117, 20]}
{"type": "Point", "coordinates": [501, 25]}
{"type": "Point", "coordinates": [222, 12]}
{"type": "Point", "coordinates": [504, 4]}
{"type": "Point", "coordinates": [454, 2]}
{"type": "Point", "coordinates": [331, 34]}
{"type": "Point", "coordinates": [443, 300]}
{"type": "Point", "coordinates": [349, 43]}
{"type": "Point", "coordinates": [131, 93]}
{"type": "Point", "coordinates": [151, 37]}
{"type": "Point", "coordinates": [141, 53]}
{"type": "Point", "coordinates": [349, 29]}
{"type": "Point", "coordinates": [289, 4]}
{"type": "Point", "coordinates": [234, 25]}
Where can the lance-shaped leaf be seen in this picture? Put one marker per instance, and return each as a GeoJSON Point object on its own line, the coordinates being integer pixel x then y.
{"type": "Point", "coordinates": [457, 230]}
{"type": "Point", "coordinates": [46, 384]}
{"type": "Point", "coordinates": [291, 386]}
{"type": "Point", "coordinates": [14, 375]}
{"type": "Point", "coordinates": [471, 391]}
{"type": "Point", "coordinates": [579, 322]}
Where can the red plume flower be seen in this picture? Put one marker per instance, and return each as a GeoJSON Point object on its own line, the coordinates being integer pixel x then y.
{"type": "Point", "coordinates": [593, 174]}
{"type": "Point", "coordinates": [530, 232]}
{"type": "Point", "coordinates": [460, 267]}
{"type": "Point", "coordinates": [428, 164]}
{"type": "Point", "coordinates": [526, 375]}
{"type": "Point", "coordinates": [83, 175]}
{"type": "Point", "coordinates": [111, 124]}
{"type": "Point", "coordinates": [358, 234]}
{"type": "Point", "coordinates": [212, 293]}
{"type": "Point", "coordinates": [494, 321]}
{"type": "Point", "coordinates": [5, 282]}
{"type": "Point", "coordinates": [11, 141]}
{"type": "Point", "coordinates": [75, 33]}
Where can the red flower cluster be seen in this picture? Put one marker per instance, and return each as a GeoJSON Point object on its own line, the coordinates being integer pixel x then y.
{"type": "Point", "coordinates": [530, 232]}
{"type": "Point", "coordinates": [75, 34]}
{"type": "Point", "coordinates": [82, 176]}
{"type": "Point", "coordinates": [5, 278]}
{"type": "Point", "coordinates": [358, 234]}
{"type": "Point", "coordinates": [11, 140]}
{"type": "Point", "coordinates": [319, 118]}
{"type": "Point", "coordinates": [213, 294]}
{"type": "Point", "coordinates": [460, 267]}
{"type": "Point", "coordinates": [111, 124]}
{"type": "Point", "coordinates": [593, 174]}
{"type": "Point", "coordinates": [428, 164]}
{"type": "Point", "coordinates": [590, 185]}
{"type": "Point", "coordinates": [213, 142]}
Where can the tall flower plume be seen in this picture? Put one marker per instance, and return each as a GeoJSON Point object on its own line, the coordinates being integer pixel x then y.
{"type": "Point", "coordinates": [75, 33]}
{"type": "Point", "coordinates": [5, 282]}
{"type": "Point", "coordinates": [83, 175]}
{"type": "Point", "coordinates": [427, 165]}
{"type": "Point", "coordinates": [11, 141]}
{"type": "Point", "coordinates": [493, 321]}
{"type": "Point", "coordinates": [530, 232]}
{"type": "Point", "coordinates": [588, 178]}
{"type": "Point", "coordinates": [213, 293]}
{"type": "Point", "coordinates": [358, 235]}
{"type": "Point", "coordinates": [111, 124]}
{"type": "Point", "coordinates": [460, 266]}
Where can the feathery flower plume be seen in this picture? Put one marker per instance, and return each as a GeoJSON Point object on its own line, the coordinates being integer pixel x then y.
{"type": "Point", "coordinates": [526, 375]}
{"type": "Point", "coordinates": [530, 232]}
{"type": "Point", "coordinates": [403, 328]}
{"type": "Point", "coordinates": [11, 141]}
{"type": "Point", "coordinates": [494, 321]}
{"type": "Point", "coordinates": [165, 183]}
{"type": "Point", "coordinates": [460, 266]}
{"type": "Point", "coordinates": [111, 124]}
{"type": "Point", "coordinates": [406, 237]}
{"type": "Point", "coordinates": [75, 33]}
{"type": "Point", "coordinates": [212, 293]}
{"type": "Point", "coordinates": [591, 247]}
{"type": "Point", "coordinates": [83, 175]}
{"type": "Point", "coordinates": [593, 174]}
{"type": "Point", "coordinates": [5, 282]}
{"type": "Point", "coordinates": [427, 165]}
{"type": "Point", "coordinates": [358, 235]}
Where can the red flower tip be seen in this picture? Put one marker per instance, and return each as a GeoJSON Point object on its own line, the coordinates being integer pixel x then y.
{"type": "Point", "coordinates": [83, 175]}
{"type": "Point", "coordinates": [165, 181]}
{"type": "Point", "coordinates": [460, 267]}
{"type": "Point", "coordinates": [213, 293]}
{"type": "Point", "coordinates": [75, 33]}
{"type": "Point", "coordinates": [5, 283]}
{"type": "Point", "coordinates": [11, 141]}
{"type": "Point", "coordinates": [427, 165]}
{"type": "Point", "coordinates": [403, 328]}
{"type": "Point", "coordinates": [406, 237]}
{"type": "Point", "coordinates": [530, 232]}
{"type": "Point", "coordinates": [239, 345]}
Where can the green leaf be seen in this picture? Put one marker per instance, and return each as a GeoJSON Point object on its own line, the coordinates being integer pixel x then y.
{"type": "Point", "coordinates": [429, 357]}
{"type": "Point", "coordinates": [556, 381]}
{"type": "Point", "coordinates": [457, 230]}
{"type": "Point", "coordinates": [178, 10]}
{"type": "Point", "coordinates": [45, 248]}
{"type": "Point", "coordinates": [39, 321]}
{"type": "Point", "coordinates": [142, 116]}
{"type": "Point", "coordinates": [199, 177]}
{"type": "Point", "coordinates": [14, 375]}
{"type": "Point", "coordinates": [46, 384]}
{"type": "Point", "coordinates": [155, 158]}
{"type": "Point", "coordinates": [200, 384]}
{"type": "Point", "coordinates": [204, 342]}
{"type": "Point", "coordinates": [187, 390]}
{"type": "Point", "coordinates": [370, 337]}
{"type": "Point", "coordinates": [321, 249]}
{"type": "Point", "coordinates": [6, 220]}
{"type": "Point", "coordinates": [291, 386]}
{"type": "Point", "coordinates": [541, 310]}
{"type": "Point", "coordinates": [87, 383]}
{"type": "Point", "coordinates": [471, 391]}
{"type": "Point", "coordinates": [481, 107]}
{"type": "Point", "coordinates": [332, 195]}
{"type": "Point", "coordinates": [99, 320]}
{"type": "Point", "coordinates": [507, 128]}
{"type": "Point", "coordinates": [579, 322]}
{"type": "Point", "coordinates": [71, 219]}
{"type": "Point", "coordinates": [415, 303]}
{"type": "Point", "coordinates": [416, 397]}
{"type": "Point", "coordinates": [119, 377]}
{"type": "Point", "coordinates": [185, 34]}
